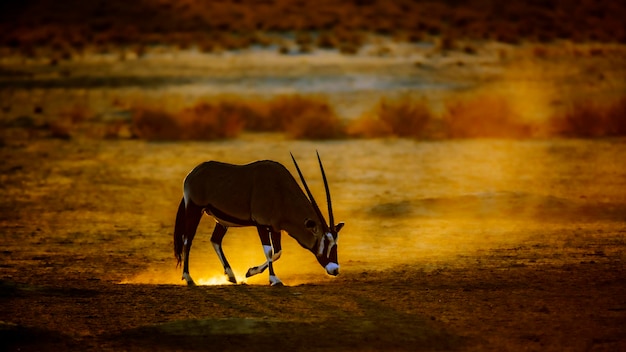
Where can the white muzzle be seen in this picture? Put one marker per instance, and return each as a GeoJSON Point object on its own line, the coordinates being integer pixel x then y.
{"type": "Point", "coordinates": [332, 269]}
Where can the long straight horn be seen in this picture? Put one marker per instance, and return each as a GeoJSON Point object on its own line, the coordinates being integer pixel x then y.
{"type": "Point", "coordinates": [331, 218]}
{"type": "Point", "coordinates": [308, 192]}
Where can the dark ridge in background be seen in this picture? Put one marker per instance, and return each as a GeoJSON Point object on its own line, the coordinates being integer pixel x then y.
{"type": "Point", "coordinates": [234, 24]}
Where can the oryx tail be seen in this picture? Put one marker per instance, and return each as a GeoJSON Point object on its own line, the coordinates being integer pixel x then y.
{"type": "Point", "coordinates": [179, 230]}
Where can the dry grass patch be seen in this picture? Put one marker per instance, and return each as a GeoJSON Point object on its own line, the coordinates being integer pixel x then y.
{"type": "Point", "coordinates": [369, 126]}
{"type": "Point", "coordinates": [588, 120]}
{"type": "Point", "coordinates": [298, 116]}
{"type": "Point", "coordinates": [315, 125]}
{"type": "Point", "coordinates": [401, 117]}
{"type": "Point", "coordinates": [483, 117]}
{"type": "Point", "coordinates": [203, 121]}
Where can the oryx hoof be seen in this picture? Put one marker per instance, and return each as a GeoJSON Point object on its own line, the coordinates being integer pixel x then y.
{"type": "Point", "coordinates": [189, 280]}
{"type": "Point", "coordinates": [231, 275]}
{"type": "Point", "coordinates": [274, 281]}
{"type": "Point", "coordinates": [253, 271]}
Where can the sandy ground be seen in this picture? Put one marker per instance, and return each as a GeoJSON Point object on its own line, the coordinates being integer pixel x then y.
{"type": "Point", "coordinates": [80, 218]}
{"type": "Point", "coordinates": [489, 246]}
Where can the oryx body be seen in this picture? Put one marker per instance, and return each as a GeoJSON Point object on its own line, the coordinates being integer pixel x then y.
{"type": "Point", "coordinates": [262, 194]}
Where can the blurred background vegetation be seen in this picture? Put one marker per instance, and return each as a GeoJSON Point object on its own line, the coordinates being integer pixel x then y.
{"type": "Point", "coordinates": [70, 26]}
{"type": "Point", "coordinates": [61, 31]}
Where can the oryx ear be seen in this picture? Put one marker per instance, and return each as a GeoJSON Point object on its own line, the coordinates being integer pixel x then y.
{"type": "Point", "coordinates": [309, 224]}
{"type": "Point", "coordinates": [339, 226]}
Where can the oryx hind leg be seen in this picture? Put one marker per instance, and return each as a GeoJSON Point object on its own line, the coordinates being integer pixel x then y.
{"type": "Point", "coordinates": [272, 253]}
{"type": "Point", "coordinates": [216, 240]}
{"type": "Point", "coordinates": [193, 213]}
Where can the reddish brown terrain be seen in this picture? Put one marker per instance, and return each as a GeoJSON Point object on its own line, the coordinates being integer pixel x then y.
{"type": "Point", "coordinates": [76, 225]}
{"type": "Point", "coordinates": [475, 150]}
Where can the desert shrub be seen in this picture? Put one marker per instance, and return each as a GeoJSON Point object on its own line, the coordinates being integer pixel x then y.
{"type": "Point", "coordinates": [406, 117]}
{"type": "Point", "coordinates": [483, 117]}
{"type": "Point", "coordinates": [402, 117]}
{"type": "Point", "coordinates": [69, 122]}
{"type": "Point", "coordinates": [77, 114]}
{"type": "Point", "coordinates": [211, 121]}
{"type": "Point", "coordinates": [297, 116]}
{"type": "Point", "coordinates": [203, 121]}
{"type": "Point", "coordinates": [282, 110]}
{"type": "Point", "coordinates": [369, 126]}
{"type": "Point", "coordinates": [313, 124]}
{"type": "Point", "coordinates": [446, 42]}
{"type": "Point", "coordinates": [302, 117]}
{"type": "Point", "coordinates": [249, 115]}
{"type": "Point", "coordinates": [326, 40]}
{"type": "Point", "coordinates": [587, 120]}
{"type": "Point", "coordinates": [155, 124]}
{"type": "Point", "coordinates": [349, 42]}
{"type": "Point", "coordinates": [616, 118]}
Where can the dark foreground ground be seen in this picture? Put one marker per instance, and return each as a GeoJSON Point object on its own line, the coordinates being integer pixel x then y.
{"type": "Point", "coordinates": [573, 307]}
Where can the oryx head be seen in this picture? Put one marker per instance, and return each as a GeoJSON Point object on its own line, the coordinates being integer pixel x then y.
{"type": "Point", "coordinates": [326, 243]}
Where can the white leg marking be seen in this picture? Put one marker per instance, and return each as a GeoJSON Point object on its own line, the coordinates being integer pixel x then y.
{"type": "Point", "coordinates": [218, 252]}
{"type": "Point", "coordinates": [227, 271]}
{"type": "Point", "coordinates": [257, 270]}
{"type": "Point", "coordinates": [275, 281]}
{"type": "Point", "coordinates": [276, 256]}
{"type": "Point", "coordinates": [188, 278]}
{"type": "Point", "coordinates": [261, 267]}
{"type": "Point", "coordinates": [231, 275]}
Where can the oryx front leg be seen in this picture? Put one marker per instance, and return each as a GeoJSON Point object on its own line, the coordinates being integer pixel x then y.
{"type": "Point", "coordinates": [216, 240]}
{"type": "Point", "coordinates": [277, 251]}
{"type": "Point", "coordinates": [268, 237]}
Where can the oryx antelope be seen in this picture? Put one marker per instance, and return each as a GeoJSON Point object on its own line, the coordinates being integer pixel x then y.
{"type": "Point", "coordinates": [262, 194]}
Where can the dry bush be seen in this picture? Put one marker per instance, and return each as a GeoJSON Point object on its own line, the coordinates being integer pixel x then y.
{"type": "Point", "coordinates": [203, 121]}
{"type": "Point", "coordinates": [406, 117]}
{"type": "Point", "coordinates": [155, 124]}
{"type": "Point", "coordinates": [315, 125]}
{"type": "Point", "coordinates": [250, 115]}
{"type": "Point", "coordinates": [70, 122]}
{"type": "Point", "coordinates": [60, 130]}
{"type": "Point", "coordinates": [77, 114]}
{"type": "Point", "coordinates": [587, 120]}
{"type": "Point", "coordinates": [483, 117]}
{"type": "Point", "coordinates": [401, 117]}
{"type": "Point", "coordinates": [445, 43]}
{"type": "Point", "coordinates": [327, 40]}
{"type": "Point", "coordinates": [616, 118]}
{"type": "Point", "coordinates": [369, 126]}
{"type": "Point", "coordinates": [302, 117]}
{"type": "Point", "coordinates": [295, 114]}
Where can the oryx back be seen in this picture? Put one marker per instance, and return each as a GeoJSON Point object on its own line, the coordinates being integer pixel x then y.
{"type": "Point", "coordinates": [260, 193]}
